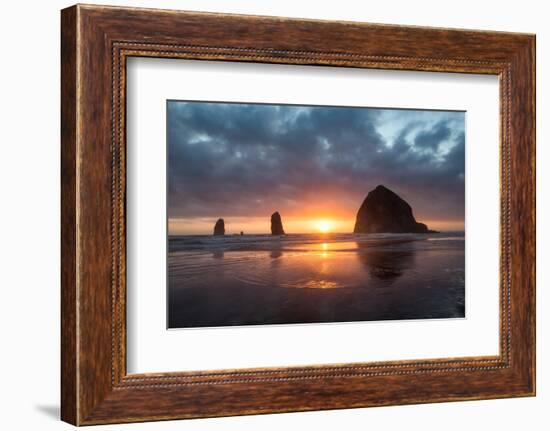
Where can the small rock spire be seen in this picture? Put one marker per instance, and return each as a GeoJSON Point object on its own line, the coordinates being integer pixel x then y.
{"type": "Point", "coordinates": [219, 227]}
{"type": "Point", "coordinates": [276, 224]}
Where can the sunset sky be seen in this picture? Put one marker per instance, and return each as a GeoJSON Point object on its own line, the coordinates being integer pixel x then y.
{"type": "Point", "coordinates": [315, 165]}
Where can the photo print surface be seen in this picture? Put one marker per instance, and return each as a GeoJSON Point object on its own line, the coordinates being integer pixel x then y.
{"type": "Point", "coordinates": [290, 214]}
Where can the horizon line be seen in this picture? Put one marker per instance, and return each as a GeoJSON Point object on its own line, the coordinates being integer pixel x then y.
{"type": "Point", "coordinates": [311, 233]}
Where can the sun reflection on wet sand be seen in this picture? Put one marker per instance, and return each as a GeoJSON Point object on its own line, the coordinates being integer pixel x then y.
{"type": "Point", "coordinates": [320, 284]}
{"type": "Point", "coordinates": [326, 247]}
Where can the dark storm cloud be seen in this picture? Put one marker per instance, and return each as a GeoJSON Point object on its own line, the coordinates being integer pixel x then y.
{"type": "Point", "coordinates": [432, 138]}
{"type": "Point", "coordinates": [248, 160]}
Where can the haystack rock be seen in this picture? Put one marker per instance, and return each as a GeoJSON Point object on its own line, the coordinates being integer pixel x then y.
{"type": "Point", "coordinates": [219, 228]}
{"type": "Point", "coordinates": [383, 211]}
{"type": "Point", "coordinates": [276, 224]}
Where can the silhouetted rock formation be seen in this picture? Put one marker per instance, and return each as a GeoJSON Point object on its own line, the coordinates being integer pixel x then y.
{"type": "Point", "coordinates": [276, 224]}
{"type": "Point", "coordinates": [383, 211]}
{"type": "Point", "coordinates": [219, 228]}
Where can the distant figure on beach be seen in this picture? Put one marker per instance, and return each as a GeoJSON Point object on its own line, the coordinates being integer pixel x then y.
{"type": "Point", "coordinates": [242, 233]}
{"type": "Point", "coordinates": [219, 227]}
{"type": "Point", "coordinates": [276, 224]}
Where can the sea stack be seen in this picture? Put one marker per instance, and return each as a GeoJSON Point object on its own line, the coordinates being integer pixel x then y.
{"type": "Point", "coordinates": [276, 224]}
{"type": "Point", "coordinates": [219, 227]}
{"type": "Point", "coordinates": [383, 211]}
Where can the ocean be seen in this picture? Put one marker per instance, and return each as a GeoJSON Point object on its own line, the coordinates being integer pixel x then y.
{"type": "Point", "coordinates": [235, 280]}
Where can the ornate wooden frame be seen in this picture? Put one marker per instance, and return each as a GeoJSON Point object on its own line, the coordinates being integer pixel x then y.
{"type": "Point", "coordinates": [95, 43]}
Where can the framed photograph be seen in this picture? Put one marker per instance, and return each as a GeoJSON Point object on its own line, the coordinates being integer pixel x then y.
{"type": "Point", "coordinates": [264, 214]}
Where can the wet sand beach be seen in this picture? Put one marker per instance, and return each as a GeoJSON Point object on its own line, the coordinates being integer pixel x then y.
{"type": "Point", "coordinates": [313, 278]}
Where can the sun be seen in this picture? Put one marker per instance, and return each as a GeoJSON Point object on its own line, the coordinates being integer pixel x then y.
{"type": "Point", "coordinates": [324, 226]}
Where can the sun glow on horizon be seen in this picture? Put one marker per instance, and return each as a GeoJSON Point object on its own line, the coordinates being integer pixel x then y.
{"type": "Point", "coordinates": [323, 226]}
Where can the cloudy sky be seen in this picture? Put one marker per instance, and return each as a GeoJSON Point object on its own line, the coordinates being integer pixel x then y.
{"type": "Point", "coordinates": [242, 162]}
